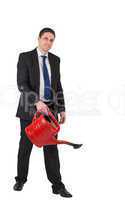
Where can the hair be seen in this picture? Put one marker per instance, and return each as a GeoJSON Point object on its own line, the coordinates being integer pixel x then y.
{"type": "Point", "coordinates": [44, 30]}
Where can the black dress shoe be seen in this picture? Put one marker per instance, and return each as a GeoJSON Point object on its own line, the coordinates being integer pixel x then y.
{"type": "Point", "coordinates": [63, 192]}
{"type": "Point", "coordinates": [18, 186]}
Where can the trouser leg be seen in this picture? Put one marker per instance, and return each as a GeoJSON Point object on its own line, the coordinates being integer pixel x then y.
{"type": "Point", "coordinates": [52, 163]}
{"type": "Point", "coordinates": [25, 148]}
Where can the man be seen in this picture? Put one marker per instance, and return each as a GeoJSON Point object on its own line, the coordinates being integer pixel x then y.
{"type": "Point", "coordinates": [38, 80]}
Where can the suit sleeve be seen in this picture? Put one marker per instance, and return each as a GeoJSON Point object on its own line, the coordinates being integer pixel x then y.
{"type": "Point", "coordinates": [23, 81]}
{"type": "Point", "coordinates": [60, 94]}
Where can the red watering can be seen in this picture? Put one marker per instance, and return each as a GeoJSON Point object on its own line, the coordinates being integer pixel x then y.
{"type": "Point", "coordinates": [43, 129]}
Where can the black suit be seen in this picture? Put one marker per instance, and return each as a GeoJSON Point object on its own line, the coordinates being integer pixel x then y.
{"type": "Point", "coordinates": [28, 81]}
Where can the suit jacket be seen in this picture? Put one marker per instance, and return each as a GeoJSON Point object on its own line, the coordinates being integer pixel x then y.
{"type": "Point", "coordinates": [28, 82]}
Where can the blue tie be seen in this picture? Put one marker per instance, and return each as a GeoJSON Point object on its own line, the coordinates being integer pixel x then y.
{"type": "Point", "coordinates": [47, 86]}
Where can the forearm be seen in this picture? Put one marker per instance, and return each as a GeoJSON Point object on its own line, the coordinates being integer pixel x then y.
{"type": "Point", "coordinates": [60, 94]}
{"type": "Point", "coordinates": [60, 98]}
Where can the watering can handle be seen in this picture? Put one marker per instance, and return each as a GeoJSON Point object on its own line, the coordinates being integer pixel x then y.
{"type": "Point", "coordinates": [38, 112]}
{"type": "Point", "coordinates": [53, 118]}
{"type": "Point", "coordinates": [49, 114]}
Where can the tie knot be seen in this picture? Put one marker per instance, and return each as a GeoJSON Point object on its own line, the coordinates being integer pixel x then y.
{"type": "Point", "coordinates": [44, 57]}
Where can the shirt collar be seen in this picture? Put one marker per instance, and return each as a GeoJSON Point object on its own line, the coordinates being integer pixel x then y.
{"type": "Point", "coordinates": [41, 53]}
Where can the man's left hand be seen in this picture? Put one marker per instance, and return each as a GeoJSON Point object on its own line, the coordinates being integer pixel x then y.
{"type": "Point", "coordinates": [62, 117]}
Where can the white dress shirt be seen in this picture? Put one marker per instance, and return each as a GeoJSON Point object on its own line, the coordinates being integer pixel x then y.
{"type": "Point", "coordinates": [40, 60]}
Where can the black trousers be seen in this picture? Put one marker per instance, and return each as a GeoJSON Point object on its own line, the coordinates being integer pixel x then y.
{"type": "Point", "coordinates": [51, 157]}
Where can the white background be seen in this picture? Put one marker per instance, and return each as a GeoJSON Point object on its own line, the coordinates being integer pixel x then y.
{"type": "Point", "coordinates": [91, 43]}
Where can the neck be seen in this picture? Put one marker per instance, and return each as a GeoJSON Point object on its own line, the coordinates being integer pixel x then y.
{"type": "Point", "coordinates": [43, 51]}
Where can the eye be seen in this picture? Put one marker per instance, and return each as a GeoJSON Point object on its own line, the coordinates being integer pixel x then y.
{"type": "Point", "coordinates": [51, 40]}
{"type": "Point", "coordinates": [45, 38]}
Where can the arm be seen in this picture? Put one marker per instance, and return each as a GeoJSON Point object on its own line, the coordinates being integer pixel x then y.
{"type": "Point", "coordinates": [60, 95]}
{"type": "Point", "coordinates": [23, 81]}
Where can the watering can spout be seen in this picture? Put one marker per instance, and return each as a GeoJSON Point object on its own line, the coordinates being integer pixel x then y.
{"type": "Point", "coordinates": [76, 146]}
{"type": "Point", "coordinates": [55, 141]}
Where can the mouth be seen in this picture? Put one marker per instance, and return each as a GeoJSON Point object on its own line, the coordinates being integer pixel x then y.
{"type": "Point", "coordinates": [46, 46]}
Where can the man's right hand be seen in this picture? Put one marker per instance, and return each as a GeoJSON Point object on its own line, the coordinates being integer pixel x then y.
{"type": "Point", "coordinates": [41, 106]}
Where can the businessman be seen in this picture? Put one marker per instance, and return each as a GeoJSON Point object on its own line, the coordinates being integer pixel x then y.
{"type": "Point", "coordinates": [39, 83]}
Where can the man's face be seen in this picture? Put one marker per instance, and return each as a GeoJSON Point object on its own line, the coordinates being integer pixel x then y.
{"type": "Point", "coordinates": [46, 41]}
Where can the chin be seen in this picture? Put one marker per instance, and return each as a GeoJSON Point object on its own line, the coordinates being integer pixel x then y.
{"type": "Point", "coordinates": [46, 49]}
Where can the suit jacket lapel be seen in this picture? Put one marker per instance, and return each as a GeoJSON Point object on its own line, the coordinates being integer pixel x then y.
{"type": "Point", "coordinates": [51, 68]}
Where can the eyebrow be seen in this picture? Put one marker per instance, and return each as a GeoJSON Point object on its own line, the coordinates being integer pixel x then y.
{"type": "Point", "coordinates": [48, 38]}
